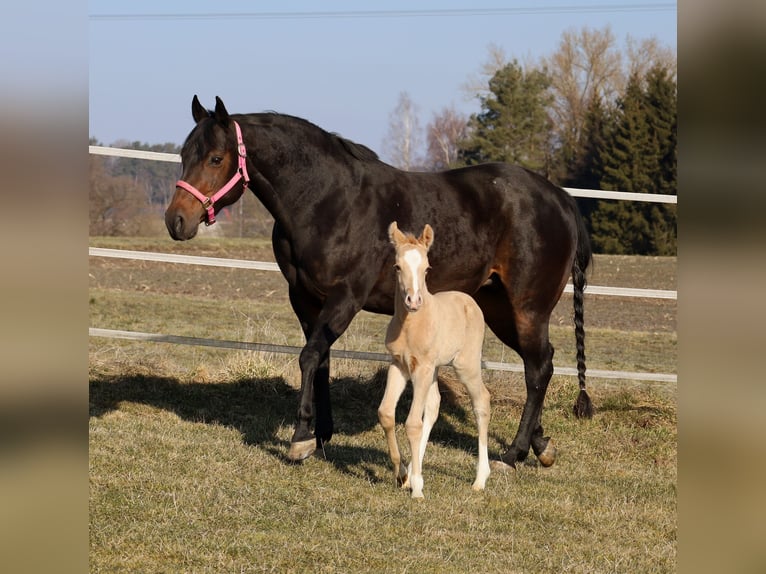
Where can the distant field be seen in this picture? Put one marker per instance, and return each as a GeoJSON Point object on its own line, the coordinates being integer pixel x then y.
{"type": "Point", "coordinates": [187, 444]}
{"type": "Point", "coordinates": [621, 333]}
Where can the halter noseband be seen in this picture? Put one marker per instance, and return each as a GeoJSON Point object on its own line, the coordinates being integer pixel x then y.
{"type": "Point", "coordinates": [209, 202]}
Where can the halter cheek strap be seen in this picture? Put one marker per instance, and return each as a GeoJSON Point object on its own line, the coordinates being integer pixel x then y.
{"type": "Point", "coordinates": [209, 202]}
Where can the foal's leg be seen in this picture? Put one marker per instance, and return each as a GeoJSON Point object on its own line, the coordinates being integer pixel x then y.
{"type": "Point", "coordinates": [422, 379]}
{"type": "Point", "coordinates": [395, 383]}
{"type": "Point", "coordinates": [430, 414]}
{"type": "Point", "coordinates": [470, 375]}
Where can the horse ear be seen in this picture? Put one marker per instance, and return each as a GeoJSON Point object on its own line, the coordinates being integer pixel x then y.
{"type": "Point", "coordinates": [199, 112]}
{"type": "Point", "coordinates": [394, 234]}
{"type": "Point", "coordinates": [220, 111]}
{"type": "Point", "coordinates": [427, 237]}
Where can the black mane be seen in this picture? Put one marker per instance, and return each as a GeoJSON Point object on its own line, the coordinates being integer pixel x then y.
{"type": "Point", "coordinates": [356, 150]}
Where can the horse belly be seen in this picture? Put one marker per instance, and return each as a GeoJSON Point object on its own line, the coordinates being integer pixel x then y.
{"type": "Point", "coordinates": [461, 325]}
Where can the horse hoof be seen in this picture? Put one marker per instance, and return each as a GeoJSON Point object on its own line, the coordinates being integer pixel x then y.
{"type": "Point", "coordinates": [548, 456]}
{"type": "Point", "coordinates": [403, 477]}
{"type": "Point", "coordinates": [500, 466]}
{"type": "Point", "coordinates": [301, 450]}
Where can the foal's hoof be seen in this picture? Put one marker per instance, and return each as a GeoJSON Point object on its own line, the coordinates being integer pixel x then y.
{"type": "Point", "coordinates": [548, 456]}
{"type": "Point", "coordinates": [403, 477]}
{"type": "Point", "coordinates": [301, 450]}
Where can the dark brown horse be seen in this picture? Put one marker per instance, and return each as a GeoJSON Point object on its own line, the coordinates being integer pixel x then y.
{"type": "Point", "coordinates": [507, 236]}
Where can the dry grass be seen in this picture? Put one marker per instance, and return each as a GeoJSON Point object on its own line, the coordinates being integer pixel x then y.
{"type": "Point", "coordinates": [187, 445]}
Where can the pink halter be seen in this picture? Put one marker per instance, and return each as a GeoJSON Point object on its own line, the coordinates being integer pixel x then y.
{"type": "Point", "coordinates": [209, 202]}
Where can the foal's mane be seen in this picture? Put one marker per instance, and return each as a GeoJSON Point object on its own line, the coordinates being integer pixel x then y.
{"type": "Point", "coordinates": [409, 239]}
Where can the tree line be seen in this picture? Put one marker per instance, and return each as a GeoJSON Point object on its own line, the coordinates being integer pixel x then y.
{"type": "Point", "coordinates": [590, 116]}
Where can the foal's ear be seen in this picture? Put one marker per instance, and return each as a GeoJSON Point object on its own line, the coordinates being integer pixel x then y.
{"type": "Point", "coordinates": [220, 111]}
{"type": "Point", "coordinates": [427, 237]}
{"type": "Point", "coordinates": [394, 235]}
{"type": "Point", "coordinates": [199, 112]}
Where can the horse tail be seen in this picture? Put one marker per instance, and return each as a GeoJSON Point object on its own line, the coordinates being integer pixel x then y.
{"type": "Point", "coordinates": [583, 407]}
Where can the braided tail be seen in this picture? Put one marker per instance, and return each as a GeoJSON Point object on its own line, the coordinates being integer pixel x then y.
{"type": "Point", "coordinates": [583, 407]}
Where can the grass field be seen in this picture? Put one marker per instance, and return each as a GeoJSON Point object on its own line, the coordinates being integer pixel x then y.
{"type": "Point", "coordinates": [187, 445]}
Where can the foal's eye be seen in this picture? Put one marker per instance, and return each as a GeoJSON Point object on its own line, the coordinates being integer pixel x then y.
{"type": "Point", "coordinates": [216, 160]}
{"type": "Point", "coordinates": [397, 268]}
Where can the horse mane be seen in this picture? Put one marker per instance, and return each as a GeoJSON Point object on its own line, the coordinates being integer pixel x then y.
{"type": "Point", "coordinates": [356, 150]}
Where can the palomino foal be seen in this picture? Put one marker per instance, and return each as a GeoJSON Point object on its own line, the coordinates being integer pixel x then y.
{"type": "Point", "coordinates": [426, 332]}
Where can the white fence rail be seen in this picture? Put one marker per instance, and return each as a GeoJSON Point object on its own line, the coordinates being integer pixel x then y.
{"type": "Point", "coordinates": [269, 266]}
{"type": "Point", "coordinates": [359, 355]}
{"type": "Point", "coordinates": [591, 193]}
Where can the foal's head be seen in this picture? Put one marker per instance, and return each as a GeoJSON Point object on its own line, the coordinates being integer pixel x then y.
{"type": "Point", "coordinates": [411, 264]}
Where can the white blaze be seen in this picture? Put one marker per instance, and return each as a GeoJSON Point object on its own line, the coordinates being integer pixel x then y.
{"type": "Point", "coordinates": [413, 259]}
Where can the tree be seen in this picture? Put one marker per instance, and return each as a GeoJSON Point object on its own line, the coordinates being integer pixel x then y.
{"type": "Point", "coordinates": [585, 170]}
{"type": "Point", "coordinates": [444, 133]}
{"type": "Point", "coordinates": [156, 178]}
{"type": "Point", "coordinates": [513, 125]}
{"type": "Point", "coordinates": [404, 135]}
{"type": "Point", "coordinates": [117, 204]}
{"type": "Point", "coordinates": [640, 157]}
{"type": "Point", "coordinates": [586, 67]}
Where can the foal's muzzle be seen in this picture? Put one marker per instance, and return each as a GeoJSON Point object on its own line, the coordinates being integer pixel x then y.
{"type": "Point", "coordinates": [413, 303]}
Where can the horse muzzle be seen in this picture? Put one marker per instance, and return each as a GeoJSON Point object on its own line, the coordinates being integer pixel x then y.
{"type": "Point", "coordinates": [413, 303]}
{"type": "Point", "coordinates": [180, 227]}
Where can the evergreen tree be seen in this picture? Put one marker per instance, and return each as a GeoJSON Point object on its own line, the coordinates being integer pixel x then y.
{"type": "Point", "coordinates": [585, 169]}
{"type": "Point", "coordinates": [513, 125]}
{"type": "Point", "coordinates": [639, 157]}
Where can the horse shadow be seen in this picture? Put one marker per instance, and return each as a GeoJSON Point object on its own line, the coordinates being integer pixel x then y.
{"type": "Point", "coordinates": [258, 408]}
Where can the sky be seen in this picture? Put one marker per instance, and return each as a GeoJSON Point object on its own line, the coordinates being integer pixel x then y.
{"type": "Point", "coordinates": [340, 64]}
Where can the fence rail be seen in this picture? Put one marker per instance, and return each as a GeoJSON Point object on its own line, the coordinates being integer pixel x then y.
{"type": "Point", "coordinates": [269, 266]}
{"type": "Point", "coordinates": [591, 193]}
{"type": "Point", "coordinates": [358, 355]}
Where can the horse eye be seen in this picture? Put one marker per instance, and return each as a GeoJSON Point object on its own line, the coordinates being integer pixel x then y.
{"type": "Point", "coordinates": [397, 268]}
{"type": "Point", "coordinates": [216, 160]}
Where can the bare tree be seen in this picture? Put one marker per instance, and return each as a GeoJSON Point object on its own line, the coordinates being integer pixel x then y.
{"type": "Point", "coordinates": [404, 134]}
{"type": "Point", "coordinates": [118, 205]}
{"type": "Point", "coordinates": [586, 65]}
{"type": "Point", "coordinates": [444, 133]}
{"type": "Point", "coordinates": [478, 85]}
{"type": "Point", "coordinates": [644, 54]}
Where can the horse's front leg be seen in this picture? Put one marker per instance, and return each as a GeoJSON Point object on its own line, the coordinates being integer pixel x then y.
{"type": "Point", "coordinates": [335, 316]}
{"type": "Point", "coordinates": [395, 383]}
{"type": "Point", "coordinates": [422, 380]}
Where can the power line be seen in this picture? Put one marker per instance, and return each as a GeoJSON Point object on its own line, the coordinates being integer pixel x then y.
{"type": "Point", "coordinates": [374, 14]}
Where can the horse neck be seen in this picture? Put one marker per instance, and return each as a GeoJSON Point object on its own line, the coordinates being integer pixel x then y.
{"type": "Point", "coordinates": [286, 154]}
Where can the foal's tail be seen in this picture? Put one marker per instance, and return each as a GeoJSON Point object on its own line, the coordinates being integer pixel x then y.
{"type": "Point", "coordinates": [583, 407]}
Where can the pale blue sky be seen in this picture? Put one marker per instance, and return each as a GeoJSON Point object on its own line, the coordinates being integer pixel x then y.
{"type": "Point", "coordinates": [342, 71]}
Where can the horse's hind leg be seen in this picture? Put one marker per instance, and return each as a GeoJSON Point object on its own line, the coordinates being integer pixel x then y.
{"type": "Point", "coordinates": [537, 354]}
{"type": "Point", "coordinates": [470, 375]}
{"type": "Point", "coordinates": [430, 414]}
{"type": "Point", "coordinates": [528, 336]}
{"type": "Point", "coordinates": [395, 383]}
